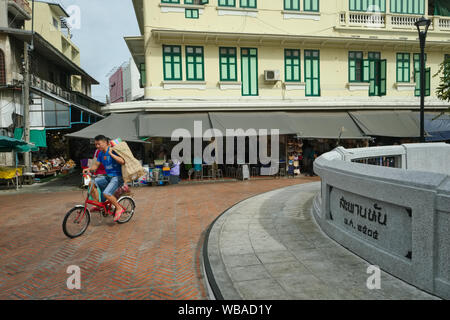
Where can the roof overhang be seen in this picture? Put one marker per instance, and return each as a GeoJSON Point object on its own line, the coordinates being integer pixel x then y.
{"type": "Point", "coordinates": [136, 45]}
{"type": "Point", "coordinates": [205, 37]}
{"type": "Point", "coordinates": [44, 48]}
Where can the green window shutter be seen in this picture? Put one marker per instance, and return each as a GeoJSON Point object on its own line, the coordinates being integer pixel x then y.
{"type": "Point", "coordinates": [403, 67]}
{"type": "Point", "coordinates": [292, 65]}
{"type": "Point", "coordinates": [249, 70]}
{"type": "Point", "coordinates": [248, 3]}
{"type": "Point", "coordinates": [417, 73]}
{"type": "Point", "coordinates": [383, 77]}
{"type": "Point", "coordinates": [311, 5]}
{"type": "Point", "coordinates": [227, 3]}
{"type": "Point", "coordinates": [170, 1]}
{"type": "Point", "coordinates": [191, 13]}
{"type": "Point", "coordinates": [228, 64]}
{"type": "Point", "coordinates": [194, 63]}
{"type": "Point", "coordinates": [172, 62]}
{"type": "Point", "coordinates": [408, 6]}
{"type": "Point", "coordinates": [428, 82]}
{"type": "Point", "coordinates": [292, 5]}
{"type": "Point", "coordinates": [312, 72]}
{"type": "Point", "coordinates": [366, 70]}
{"type": "Point", "coordinates": [367, 5]}
{"type": "Point", "coordinates": [355, 65]}
{"type": "Point", "coordinates": [372, 77]}
{"type": "Point", "coordinates": [142, 80]}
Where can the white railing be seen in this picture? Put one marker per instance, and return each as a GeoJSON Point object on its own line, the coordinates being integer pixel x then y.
{"type": "Point", "coordinates": [389, 21]}
{"type": "Point", "coordinates": [444, 23]}
{"type": "Point", "coordinates": [404, 21]}
{"type": "Point", "coordinates": [367, 19]}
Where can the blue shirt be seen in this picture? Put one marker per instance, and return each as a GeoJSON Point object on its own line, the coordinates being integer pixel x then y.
{"type": "Point", "coordinates": [112, 167]}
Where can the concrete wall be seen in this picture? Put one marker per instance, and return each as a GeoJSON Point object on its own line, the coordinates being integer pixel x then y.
{"type": "Point", "coordinates": [396, 218]}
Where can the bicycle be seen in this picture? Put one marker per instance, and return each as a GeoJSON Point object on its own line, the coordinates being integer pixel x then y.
{"type": "Point", "coordinates": [77, 219]}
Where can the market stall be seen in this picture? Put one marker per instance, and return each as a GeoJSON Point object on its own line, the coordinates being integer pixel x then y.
{"type": "Point", "coordinates": [13, 175]}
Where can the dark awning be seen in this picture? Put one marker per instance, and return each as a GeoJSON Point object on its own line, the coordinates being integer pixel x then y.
{"type": "Point", "coordinates": [325, 125]}
{"type": "Point", "coordinates": [252, 120]}
{"type": "Point", "coordinates": [399, 124]}
{"type": "Point", "coordinates": [437, 125]}
{"type": "Point", "coordinates": [118, 125]}
{"type": "Point", "coordinates": [164, 124]}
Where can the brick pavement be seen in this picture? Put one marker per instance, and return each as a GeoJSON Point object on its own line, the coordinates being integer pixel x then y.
{"type": "Point", "coordinates": [154, 256]}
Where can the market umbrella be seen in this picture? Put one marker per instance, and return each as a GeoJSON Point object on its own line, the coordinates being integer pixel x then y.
{"type": "Point", "coordinates": [8, 144]}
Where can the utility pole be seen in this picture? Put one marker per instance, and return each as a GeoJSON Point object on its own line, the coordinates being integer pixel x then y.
{"type": "Point", "coordinates": [26, 89]}
{"type": "Point", "coordinates": [26, 105]}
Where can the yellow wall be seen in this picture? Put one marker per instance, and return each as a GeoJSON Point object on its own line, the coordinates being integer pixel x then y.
{"type": "Point", "coordinates": [43, 24]}
{"type": "Point", "coordinates": [270, 20]}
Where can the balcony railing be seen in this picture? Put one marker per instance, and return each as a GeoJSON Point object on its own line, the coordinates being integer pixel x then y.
{"type": "Point", "coordinates": [24, 4]}
{"type": "Point", "coordinates": [389, 21]}
{"type": "Point", "coordinates": [444, 23]}
{"type": "Point", "coordinates": [404, 21]}
{"type": "Point", "coordinates": [368, 19]}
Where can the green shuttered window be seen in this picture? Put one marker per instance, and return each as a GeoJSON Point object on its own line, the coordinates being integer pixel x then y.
{"type": "Point", "coordinates": [292, 5]}
{"type": "Point", "coordinates": [227, 3]}
{"type": "Point", "coordinates": [191, 13]}
{"type": "Point", "coordinates": [312, 72]}
{"type": "Point", "coordinates": [403, 67]}
{"type": "Point", "coordinates": [170, 1]}
{"type": "Point", "coordinates": [311, 5]}
{"type": "Point", "coordinates": [417, 76]}
{"type": "Point", "coordinates": [194, 64]}
{"type": "Point", "coordinates": [408, 6]}
{"type": "Point", "coordinates": [355, 66]}
{"type": "Point", "coordinates": [249, 71]}
{"type": "Point", "coordinates": [292, 65]}
{"type": "Point", "coordinates": [248, 3]}
{"type": "Point", "coordinates": [367, 5]}
{"type": "Point", "coordinates": [228, 64]}
{"type": "Point", "coordinates": [172, 62]}
{"type": "Point", "coordinates": [377, 74]}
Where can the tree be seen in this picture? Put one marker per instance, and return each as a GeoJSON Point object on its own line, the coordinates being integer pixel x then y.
{"type": "Point", "coordinates": [443, 90]}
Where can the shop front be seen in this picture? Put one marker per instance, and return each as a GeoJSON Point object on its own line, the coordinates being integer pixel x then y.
{"type": "Point", "coordinates": [232, 138]}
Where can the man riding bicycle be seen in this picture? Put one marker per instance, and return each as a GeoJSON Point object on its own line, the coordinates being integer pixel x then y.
{"type": "Point", "coordinates": [113, 179]}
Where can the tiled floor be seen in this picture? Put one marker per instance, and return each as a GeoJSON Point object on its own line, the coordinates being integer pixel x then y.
{"type": "Point", "coordinates": [154, 256]}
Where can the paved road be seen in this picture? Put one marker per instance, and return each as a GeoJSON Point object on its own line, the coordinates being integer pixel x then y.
{"type": "Point", "coordinates": [154, 256]}
{"type": "Point", "coordinates": [269, 247]}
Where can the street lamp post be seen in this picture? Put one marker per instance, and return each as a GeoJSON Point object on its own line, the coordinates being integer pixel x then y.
{"type": "Point", "coordinates": [422, 27]}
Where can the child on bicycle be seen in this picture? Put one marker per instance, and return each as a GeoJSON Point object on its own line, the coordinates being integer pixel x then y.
{"type": "Point", "coordinates": [113, 178]}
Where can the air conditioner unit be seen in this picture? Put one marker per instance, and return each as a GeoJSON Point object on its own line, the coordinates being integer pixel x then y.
{"type": "Point", "coordinates": [272, 75]}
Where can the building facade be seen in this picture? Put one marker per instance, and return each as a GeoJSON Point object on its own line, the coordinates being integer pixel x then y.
{"type": "Point", "coordinates": [125, 83]}
{"type": "Point", "coordinates": [299, 53]}
{"type": "Point", "coordinates": [58, 103]}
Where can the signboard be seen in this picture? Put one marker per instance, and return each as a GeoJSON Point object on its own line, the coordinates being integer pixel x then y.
{"type": "Point", "coordinates": [382, 224]}
{"type": "Point", "coordinates": [245, 172]}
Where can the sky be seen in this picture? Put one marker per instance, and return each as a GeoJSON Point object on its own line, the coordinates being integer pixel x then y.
{"type": "Point", "coordinates": [103, 24]}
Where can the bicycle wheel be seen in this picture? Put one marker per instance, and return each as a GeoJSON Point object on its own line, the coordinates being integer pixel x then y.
{"type": "Point", "coordinates": [76, 222]}
{"type": "Point", "coordinates": [128, 205]}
